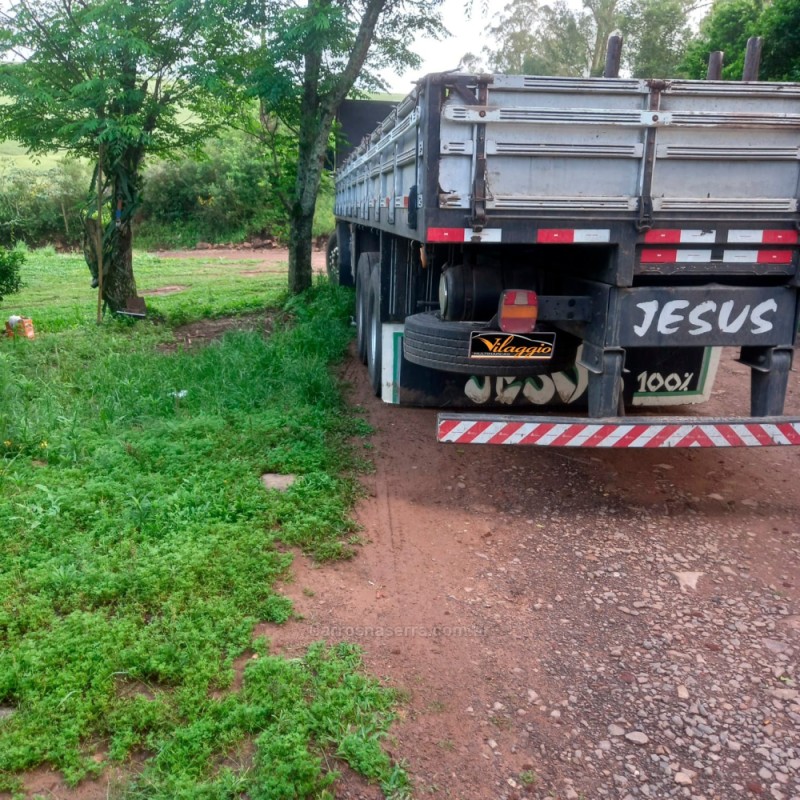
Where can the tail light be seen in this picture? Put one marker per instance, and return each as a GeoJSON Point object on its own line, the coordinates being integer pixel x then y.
{"type": "Point", "coordinates": [518, 311]}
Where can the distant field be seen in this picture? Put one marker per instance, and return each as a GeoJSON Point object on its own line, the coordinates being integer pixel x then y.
{"type": "Point", "coordinates": [14, 153]}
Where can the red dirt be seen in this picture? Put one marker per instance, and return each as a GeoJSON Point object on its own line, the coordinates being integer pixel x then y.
{"type": "Point", "coordinates": [522, 598]}
{"type": "Point", "coordinates": [268, 260]}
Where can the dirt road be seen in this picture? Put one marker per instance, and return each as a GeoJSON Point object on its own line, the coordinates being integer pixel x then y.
{"type": "Point", "coordinates": [579, 624]}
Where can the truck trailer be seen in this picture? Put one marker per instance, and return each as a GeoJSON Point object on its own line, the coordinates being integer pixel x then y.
{"type": "Point", "coordinates": [555, 260]}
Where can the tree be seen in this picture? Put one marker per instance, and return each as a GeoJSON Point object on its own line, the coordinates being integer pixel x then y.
{"type": "Point", "coordinates": [541, 40]}
{"type": "Point", "coordinates": [558, 39]}
{"type": "Point", "coordinates": [727, 27]}
{"type": "Point", "coordinates": [515, 34]}
{"type": "Point", "coordinates": [779, 25]}
{"type": "Point", "coordinates": [111, 81]}
{"type": "Point", "coordinates": [303, 60]}
{"type": "Point", "coordinates": [656, 34]}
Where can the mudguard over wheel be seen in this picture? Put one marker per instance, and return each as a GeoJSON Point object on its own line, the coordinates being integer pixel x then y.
{"type": "Point", "coordinates": [431, 342]}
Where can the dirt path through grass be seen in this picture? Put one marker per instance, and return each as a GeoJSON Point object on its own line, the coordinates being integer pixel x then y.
{"type": "Point", "coordinates": [530, 603]}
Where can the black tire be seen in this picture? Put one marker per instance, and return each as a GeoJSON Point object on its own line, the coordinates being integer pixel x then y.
{"type": "Point", "coordinates": [366, 261]}
{"type": "Point", "coordinates": [444, 346]}
{"type": "Point", "coordinates": [374, 325]}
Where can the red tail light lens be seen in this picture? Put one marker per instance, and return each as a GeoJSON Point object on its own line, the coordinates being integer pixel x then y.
{"type": "Point", "coordinates": [518, 311]}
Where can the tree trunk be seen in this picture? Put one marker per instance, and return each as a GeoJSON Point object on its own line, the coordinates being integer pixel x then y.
{"type": "Point", "coordinates": [300, 250]}
{"type": "Point", "coordinates": [118, 280]}
{"type": "Point", "coordinates": [124, 179]}
{"type": "Point", "coordinates": [311, 158]}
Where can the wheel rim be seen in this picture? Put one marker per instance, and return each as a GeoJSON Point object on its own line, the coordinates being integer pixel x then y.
{"type": "Point", "coordinates": [333, 261]}
{"type": "Point", "coordinates": [373, 339]}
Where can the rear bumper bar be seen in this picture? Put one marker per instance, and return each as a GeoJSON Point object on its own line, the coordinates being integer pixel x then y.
{"type": "Point", "coordinates": [619, 432]}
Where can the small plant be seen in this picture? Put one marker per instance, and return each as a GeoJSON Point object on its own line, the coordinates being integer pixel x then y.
{"type": "Point", "coordinates": [528, 777]}
{"type": "Point", "coordinates": [10, 263]}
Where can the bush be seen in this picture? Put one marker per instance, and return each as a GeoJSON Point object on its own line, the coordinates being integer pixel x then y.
{"type": "Point", "coordinates": [229, 195]}
{"type": "Point", "coordinates": [10, 263]}
{"type": "Point", "coordinates": [43, 207]}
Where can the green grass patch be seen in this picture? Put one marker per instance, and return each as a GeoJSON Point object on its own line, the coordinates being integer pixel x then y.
{"type": "Point", "coordinates": [58, 295]}
{"type": "Point", "coordinates": [139, 547]}
{"type": "Point", "coordinates": [12, 152]}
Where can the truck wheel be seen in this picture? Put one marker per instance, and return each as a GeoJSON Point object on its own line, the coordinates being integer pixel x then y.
{"type": "Point", "coordinates": [374, 326]}
{"type": "Point", "coordinates": [332, 258]}
{"type": "Point", "coordinates": [431, 342]}
{"type": "Point", "coordinates": [366, 261]}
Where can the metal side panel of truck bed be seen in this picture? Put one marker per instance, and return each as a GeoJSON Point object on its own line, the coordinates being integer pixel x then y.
{"type": "Point", "coordinates": [648, 221]}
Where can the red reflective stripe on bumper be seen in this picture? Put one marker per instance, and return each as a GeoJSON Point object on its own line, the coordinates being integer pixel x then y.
{"type": "Point", "coordinates": [774, 257]}
{"type": "Point", "coordinates": [663, 237]}
{"type": "Point", "coordinates": [659, 256]}
{"type": "Point", "coordinates": [779, 237]}
{"type": "Point", "coordinates": [446, 234]}
{"type": "Point", "coordinates": [572, 433]}
{"type": "Point", "coordinates": [555, 236]}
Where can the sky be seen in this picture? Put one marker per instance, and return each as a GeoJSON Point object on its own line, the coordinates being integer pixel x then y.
{"type": "Point", "coordinates": [468, 35]}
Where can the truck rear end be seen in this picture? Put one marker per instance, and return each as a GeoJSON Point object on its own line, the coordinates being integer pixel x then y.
{"type": "Point", "coordinates": [561, 244]}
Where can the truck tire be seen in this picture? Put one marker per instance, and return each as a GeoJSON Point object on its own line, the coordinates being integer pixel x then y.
{"type": "Point", "coordinates": [366, 261]}
{"type": "Point", "coordinates": [444, 346]}
{"type": "Point", "coordinates": [374, 325]}
{"type": "Point", "coordinates": [332, 258]}
{"type": "Point", "coordinates": [337, 263]}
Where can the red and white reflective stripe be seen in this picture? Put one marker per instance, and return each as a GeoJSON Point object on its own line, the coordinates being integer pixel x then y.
{"type": "Point", "coordinates": [573, 235]}
{"type": "Point", "coordinates": [680, 236]}
{"type": "Point", "coordinates": [762, 237]}
{"type": "Point", "coordinates": [464, 235]}
{"type": "Point", "coordinates": [674, 256]}
{"type": "Point", "coordinates": [461, 430]}
{"type": "Point", "coordinates": [757, 256]}
{"type": "Point", "coordinates": [653, 256]}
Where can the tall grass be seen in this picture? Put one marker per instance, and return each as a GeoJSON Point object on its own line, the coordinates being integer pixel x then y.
{"type": "Point", "coordinates": [139, 549]}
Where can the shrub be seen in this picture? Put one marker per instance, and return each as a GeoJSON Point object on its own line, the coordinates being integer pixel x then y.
{"type": "Point", "coordinates": [43, 207]}
{"type": "Point", "coordinates": [10, 263]}
{"type": "Point", "coordinates": [229, 195]}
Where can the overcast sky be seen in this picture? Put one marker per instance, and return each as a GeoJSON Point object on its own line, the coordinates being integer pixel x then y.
{"type": "Point", "coordinates": [468, 35]}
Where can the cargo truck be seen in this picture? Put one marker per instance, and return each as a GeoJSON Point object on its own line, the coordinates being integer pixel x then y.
{"type": "Point", "coordinates": [547, 259]}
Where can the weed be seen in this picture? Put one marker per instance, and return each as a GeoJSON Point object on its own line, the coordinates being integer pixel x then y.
{"type": "Point", "coordinates": [139, 550]}
{"type": "Point", "coordinates": [528, 778]}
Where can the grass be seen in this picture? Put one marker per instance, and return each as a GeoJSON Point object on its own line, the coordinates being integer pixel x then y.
{"type": "Point", "coordinates": [139, 548]}
{"type": "Point", "coordinates": [58, 296]}
{"type": "Point", "coordinates": [12, 152]}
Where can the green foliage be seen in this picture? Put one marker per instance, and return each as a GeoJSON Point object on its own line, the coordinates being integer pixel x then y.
{"type": "Point", "coordinates": [139, 550]}
{"type": "Point", "coordinates": [113, 71]}
{"type": "Point", "coordinates": [111, 81]}
{"type": "Point", "coordinates": [559, 39]}
{"type": "Point", "coordinates": [656, 34]}
{"type": "Point", "coordinates": [39, 207]}
{"type": "Point", "coordinates": [727, 27]}
{"type": "Point", "coordinates": [10, 263]}
{"type": "Point", "coordinates": [302, 62]}
{"type": "Point", "coordinates": [229, 195]}
{"type": "Point", "coordinates": [780, 26]}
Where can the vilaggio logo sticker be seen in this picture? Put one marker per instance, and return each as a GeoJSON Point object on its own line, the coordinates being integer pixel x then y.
{"type": "Point", "coordinates": [526, 347]}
